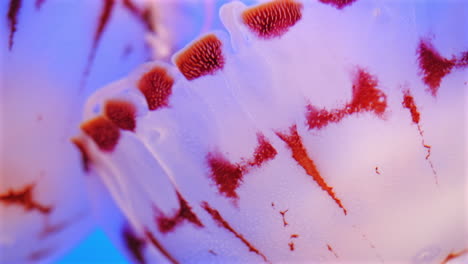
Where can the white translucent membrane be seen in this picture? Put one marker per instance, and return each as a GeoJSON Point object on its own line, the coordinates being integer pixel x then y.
{"type": "Point", "coordinates": [398, 209]}
{"type": "Point", "coordinates": [42, 93]}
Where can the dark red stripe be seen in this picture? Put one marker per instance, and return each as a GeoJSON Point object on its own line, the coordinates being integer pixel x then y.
{"type": "Point", "coordinates": [216, 216]}
{"type": "Point", "coordinates": [12, 16]}
{"type": "Point", "coordinates": [299, 154]}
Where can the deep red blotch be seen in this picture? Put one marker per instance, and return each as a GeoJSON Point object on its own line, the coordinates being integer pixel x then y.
{"type": "Point", "coordinates": [122, 113]}
{"type": "Point", "coordinates": [433, 66]}
{"type": "Point", "coordinates": [203, 57]}
{"type": "Point", "coordinates": [103, 132]}
{"type": "Point", "coordinates": [24, 197]}
{"type": "Point", "coordinates": [366, 98]}
{"type": "Point", "coordinates": [228, 176]}
{"type": "Point", "coordinates": [272, 19]}
{"type": "Point", "coordinates": [156, 86]}
{"type": "Point", "coordinates": [134, 244]}
{"type": "Point", "coordinates": [166, 223]}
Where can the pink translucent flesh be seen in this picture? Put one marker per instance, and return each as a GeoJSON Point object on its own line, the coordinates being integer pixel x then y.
{"type": "Point", "coordinates": [323, 143]}
{"type": "Point", "coordinates": [44, 205]}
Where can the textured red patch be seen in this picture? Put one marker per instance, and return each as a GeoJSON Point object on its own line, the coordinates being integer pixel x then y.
{"type": "Point", "coordinates": [377, 170]}
{"type": "Point", "coordinates": [12, 16]}
{"type": "Point", "coordinates": [454, 255]}
{"type": "Point", "coordinates": [39, 3]}
{"type": "Point", "coordinates": [144, 15]}
{"type": "Point", "coordinates": [122, 113]}
{"type": "Point", "coordinates": [166, 224]}
{"type": "Point", "coordinates": [294, 236]}
{"type": "Point", "coordinates": [103, 132]}
{"type": "Point", "coordinates": [366, 98]}
{"type": "Point", "coordinates": [291, 246]}
{"type": "Point", "coordinates": [85, 159]}
{"type": "Point", "coordinates": [433, 66]}
{"type": "Point", "coordinates": [202, 58]}
{"type": "Point", "coordinates": [160, 247]}
{"type": "Point", "coordinates": [24, 198]}
{"type": "Point", "coordinates": [216, 216]}
{"type": "Point", "coordinates": [339, 4]}
{"type": "Point", "coordinates": [299, 154]}
{"type": "Point", "coordinates": [134, 244]}
{"type": "Point", "coordinates": [408, 103]}
{"type": "Point", "coordinates": [104, 17]}
{"type": "Point", "coordinates": [228, 176]}
{"type": "Point", "coordinates": [156, 86]}
{"type": "Point", "coordinates": [331, 250]}
{"type": "Point", "coordinates": [264, 152]}
{"type": "Point", "coordinates": [272, 19]}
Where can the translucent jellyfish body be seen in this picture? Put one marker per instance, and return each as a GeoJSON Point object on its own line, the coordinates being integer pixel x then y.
{"type": "Point", "coordinates": [53, 55]}
{"type": "Point", "coordinates": [318, 132]}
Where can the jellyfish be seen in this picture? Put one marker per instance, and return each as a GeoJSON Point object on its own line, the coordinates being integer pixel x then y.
{"type": "Point", "coordinates": [306, 131]}
{"type": "Point", "coordinates": [54, 54]}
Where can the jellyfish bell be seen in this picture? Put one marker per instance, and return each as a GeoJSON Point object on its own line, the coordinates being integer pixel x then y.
{"type": "Point", "coordinates": [51, 60]}
{"type": "Point", "coordinates": [310, 132]}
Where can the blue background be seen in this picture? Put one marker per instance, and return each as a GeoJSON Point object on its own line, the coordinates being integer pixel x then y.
{"type": "Point", "coordinates": [95, 249]}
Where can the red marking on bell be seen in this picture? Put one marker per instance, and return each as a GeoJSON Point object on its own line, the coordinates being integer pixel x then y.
{"type": "Point", "coordinates": [454, 255]}
{"type": "Point", "coordinates": [156, 86]}
{"type": "Point", "coordinates": [264, 152]}
{"type": "Point", "coordinates": [332, 251]}
{"type": "Point", "coordinates": [24, 198]}
{"type": "Point", "coordinates": [283, 216]}
{"type": "Point", "coordinates": [433, 66]}
{"type": "Point", "coordinates": [204, 57]}
{"type": "Point", "coordinates": [228, 176]}
{"type": "Point", "coordinates": [85, 158]}
{"type": "Point", "coordinates": [103, 132]}
{"type": "Point", "coordinates": [409, 103]}
{"type": "Point", "coordinates": [134, 244]}
{"type": "Point", "coordinates": [221, 222]}
{"type": "Point", "coordinates": [144, 15]}
{"type": "Point", "coordinates": [366, 98]}
{"type": "Point", "coordinates": [39, 4]}
{"type": "Point", "coordinates": [12, 16]}
{"type": "Point", "coordinates": [294, 236]}
{"type": "Point", "coordinates": [272, 19]}
{"type": "Point", "coordinates": [294, 142]}
{"type": "Point", "coordinates": [106, 12]}
{"type": "Point", "coordinates": [339, 4]}
{"type": "Point", "coordinates": [121, 113]}
{"type": "Point", "coordinates": [167, 224]}
{"type": "Point", "coordinates": [155, 242]}
{"type": "Point", "coordinates": [291, 246]}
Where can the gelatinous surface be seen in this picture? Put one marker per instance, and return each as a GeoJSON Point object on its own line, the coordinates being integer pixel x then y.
{"type": "Point", "coordinates": [320, 144]}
